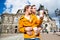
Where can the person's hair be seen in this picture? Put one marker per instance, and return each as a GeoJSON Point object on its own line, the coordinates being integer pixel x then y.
{"type": "Point", "coordinates": [26, 7]}
{"type": "Point", "coordinates": [32, 6]}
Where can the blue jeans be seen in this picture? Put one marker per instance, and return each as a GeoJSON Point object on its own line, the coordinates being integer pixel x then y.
{"type": "Point", "coordinates": [37, 38]}
{"type": "Point", "coordinates": [31, 39]}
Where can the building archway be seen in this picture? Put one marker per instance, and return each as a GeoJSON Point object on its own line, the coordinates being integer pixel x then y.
{"type": "Point", "coordinates": [16, 29]}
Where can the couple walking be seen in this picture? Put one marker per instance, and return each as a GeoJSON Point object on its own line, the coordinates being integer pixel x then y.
{"type": "Point", "coordinates": [29, 24]}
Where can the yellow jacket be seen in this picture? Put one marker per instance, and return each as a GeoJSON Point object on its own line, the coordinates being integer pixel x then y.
{"type": "Point", "coordinates": [23, 22]}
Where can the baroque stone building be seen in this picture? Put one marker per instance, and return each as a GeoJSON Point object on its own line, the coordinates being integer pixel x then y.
{"type": "Point", "coordinates": [10, 22]}
{"type": "Point", "coordinates": [48, 22]}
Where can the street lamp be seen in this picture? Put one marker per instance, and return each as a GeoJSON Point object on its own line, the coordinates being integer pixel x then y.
{"type": "Point", "coordinates": [0, 26]}
{"type": "Point", "coordinates": [57, 12]}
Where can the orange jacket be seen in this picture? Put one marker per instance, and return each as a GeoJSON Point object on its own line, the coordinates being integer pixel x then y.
{"type": "Point", "coordinates": [23, 22]}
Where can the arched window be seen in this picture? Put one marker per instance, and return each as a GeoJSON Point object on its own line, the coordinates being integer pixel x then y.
{"type": "Point", "coordinates": [15, 19]}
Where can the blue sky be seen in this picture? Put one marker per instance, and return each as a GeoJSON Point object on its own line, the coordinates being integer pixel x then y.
{"type": "Point", "coordinates": [2, 6]}
{"type": "Point", "coordinates": [11, 6]}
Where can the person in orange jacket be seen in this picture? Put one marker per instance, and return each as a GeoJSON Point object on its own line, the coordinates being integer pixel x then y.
{"type": "Point", "coordinates": [38, 22]}
{"type": "Point", "coordinates": [24, 23]}
{"type": "Point", "coordinates": [27, 23]}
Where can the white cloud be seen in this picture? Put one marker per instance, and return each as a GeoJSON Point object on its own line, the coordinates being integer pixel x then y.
{"type": "Point", "coordinates": [18, 4]}
{"type": "Point", "coordinates": [49, 4]}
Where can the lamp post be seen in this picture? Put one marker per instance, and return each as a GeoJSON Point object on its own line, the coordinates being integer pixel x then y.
{"type": "Point", "coordinates": [0, 26]}
{"type": "Point", "coordinates": [57, 13]}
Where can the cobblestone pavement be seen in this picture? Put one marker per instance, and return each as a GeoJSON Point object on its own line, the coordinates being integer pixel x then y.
{"type": "Point", "coordinates": [44, 36]}
{"type": "Point", "coordinates": [50, 36]}
{"type": "Point", "coordinates": [12, 37]}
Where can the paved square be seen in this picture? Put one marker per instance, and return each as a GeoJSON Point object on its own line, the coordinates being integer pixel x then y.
{"type": "Point", "coordinates": [44, 36]}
